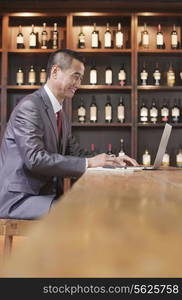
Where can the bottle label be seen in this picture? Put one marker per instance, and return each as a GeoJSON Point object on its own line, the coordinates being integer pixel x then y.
{"type": "Point", "coordinates": [174, 40]}
{"type": "Point", "coordinates": [119, 39]}
{"type": "Point", "coordinates": [165, 112]}
{"type": "Point", "coordinates": [165, 160]}
{"type": "Point", "coordinates": [93, 77]}
{"type": "Point", "coordinates": [19, 40]}
{"type": "Point", "coordinates": [145, 39]}
{"type": "Point", "coordinates": [121, 112]}
{"type": "Point", "coordinates": [81, 112]}
{"type": "Point", "coordinates": [179, 160]}
{"type": "Point", "coordinates": [43, 77]}
{"type": "Point", "coordinates": [32, 40]}
{"type": "Point", "coordinates": [144, 75]}
{"type": "Point", "coordinates": [108, 113]}
{"type": "Point", "coordinates": [160, 39]}
{"type": "Point", "coordinates": [107, 40]}
{"type": "Point", "coordinates": [170, 78]}
{"type": "Point", "coordinates": [108, 77]}
{"type": "Point", "coordinates": [95, 40]}
{"type": "Point", "coordinates": [122, 75]}
{"type": "Point", "coordinates": [153, 112]}
{"type": "Point", "coordinates": [93, 113]}
{"type": "Point", "coordinates": [19, 78]}
{"type": "Point", "coordinates": [144, 112]}
{"type": "Point", "coordinates": [157, 75]}
{"type": "Point", "coordinates": [31, 77]}
{"type": "Point", "coordinates": [146, 159]}
{"type": "Point", "coordinates": [175, 112]}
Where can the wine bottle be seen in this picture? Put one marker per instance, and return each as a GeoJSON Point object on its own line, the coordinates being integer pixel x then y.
{"type": "Point", "coordinates": [81, 112]}
{"type": "Point", "coordinates": [19, 77]}
{"type": "Point", "coordinates": [153, 113]}
{"type": "Point", "coordinates": [107, 37]}
{"type": "Point", "coordinates": [81, 39]}
{"type": "Point", "coordinates": [93, 75]}
{"type": "Point", "coordinates": [174, 38]}
{"type": "Point", "coordinates": [93, 111]}
{"type": "Point", "coordinates": [32, 39]}
{"type": "Point", "coordinates": [108, 76]}
{"type": "Point", "coordinates": [160, 38]}
{"type": "Point", "coordinates": [179, 158]}
{"type": "Point", "coordinates": [43, 76]}
{"type": "Point", "coordinates": [55, 37]}
{"type": "Point", "coordinates": [175, 113]}
{"type": "Point", "coordinates": [108, 110]}
{"type": "Point", "coordinates": [170, 76]}
{"type": "Point", "coordinates": [121, 110]}
{"type": "Point", "coordinates": [146, 158]}
{"type": "Point", "coordinates": [157, 75]}
{"type": "Point", "coordinates": [143, 115]}
{"type": "Point", "coordinates": [122, 76]}
{"type": "Point", "coordinates": [109, 151]}
{"type": "Point", "coordinates": [145, 37]}
{"type": "Point", "coordinates": [166, 159]}
{"type": "Point", "coordinates": [92, 152]}
{"type": "Point", "coordinates": [121, 152]}
{"type": "Point", "coordinates": [20, 39]}
{"type": "Point", "coordinates": [31, 76]}
{"type": "Point", "coordinates": [95, 38]}
{"type": "Point", "coordinates": [164, 112]}
{"type": "Point", "coordinates": [144, 75]}
{"type": "Point", "coordinates": [44, 37]}
{"type": "Point", "coordinates": [119, 37]}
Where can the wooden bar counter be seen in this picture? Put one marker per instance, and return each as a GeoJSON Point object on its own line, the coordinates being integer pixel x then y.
{"type": "Point", "coordinates": [127, 224]}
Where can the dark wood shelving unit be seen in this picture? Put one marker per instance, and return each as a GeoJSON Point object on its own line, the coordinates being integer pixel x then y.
{"type": "Point", "coordinates": [105, 87]}
{"type": "Point", "coordinates": [74, 124]}
{"type": "Point", "coordinates": [179, 125]}
{"type": "Point", "coordinates": [136, 135]}
{"type": "Point", "coordinates": [104, 51]}
{"type": "Point", "coordinates": [30, 50]}
{"type": "Point", "coordinates": [159, 88]}
{"type": "Point", "coordinates": [23, 87]}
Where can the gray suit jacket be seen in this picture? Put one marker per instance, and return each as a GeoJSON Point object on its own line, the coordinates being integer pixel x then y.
{"type": "Point", "coordinates": [30, 158]}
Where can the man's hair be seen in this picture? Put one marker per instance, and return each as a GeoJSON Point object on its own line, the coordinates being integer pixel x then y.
{"type": "Point", "coordinates": [63, 58]}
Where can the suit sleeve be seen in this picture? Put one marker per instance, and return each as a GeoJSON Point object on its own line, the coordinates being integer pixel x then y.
{"type": "Point", "coordinates": [29, 136]}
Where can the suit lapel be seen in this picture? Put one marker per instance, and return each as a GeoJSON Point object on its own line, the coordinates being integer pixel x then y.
{"type": "Point", "coordinates": [50, 112]}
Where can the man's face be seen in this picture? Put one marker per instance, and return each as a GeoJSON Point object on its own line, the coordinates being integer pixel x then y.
{"type": "Point", "coordinates": [66, 82]}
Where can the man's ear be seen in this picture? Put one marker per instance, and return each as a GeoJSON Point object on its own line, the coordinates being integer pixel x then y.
{"type": "Point", "coordinates": [54, 71]}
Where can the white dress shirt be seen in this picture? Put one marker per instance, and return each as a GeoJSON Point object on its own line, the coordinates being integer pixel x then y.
{"type": "Point", "coordinates": [57, 107]}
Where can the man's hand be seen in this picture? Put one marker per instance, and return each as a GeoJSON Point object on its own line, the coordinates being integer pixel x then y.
{"type": "Point", "coordinates": [125, 160]}
{"type": "Point", "coordinates": [103, 159]}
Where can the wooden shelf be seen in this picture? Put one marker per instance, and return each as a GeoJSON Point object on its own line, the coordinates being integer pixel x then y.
{"type": "Point", "coordinates": [83, 87]}
{"type": "Point", "coordinates": [75, 124]}
{"type": "Point", "coordinates": [23, 87]}
{"type": "Point", "coordinates": [31, 50]}
{"type": "Point", "coordinates": [159, 125]}
{"type": "Point", "coordinates": [160, 88]}
{"type": "Point", "coordinates": [90, 50]}
{"type": "Point", "coordinates": [160, 51]}
{"type": "Point", "coordinates": [104, 87]}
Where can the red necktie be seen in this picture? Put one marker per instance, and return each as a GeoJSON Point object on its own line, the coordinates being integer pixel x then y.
{"type": "Point", "coordinates": [59, 123]}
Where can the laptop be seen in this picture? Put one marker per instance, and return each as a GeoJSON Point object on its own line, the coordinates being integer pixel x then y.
{"type": "Point", "coordinates": [158, 159]}
{"type": "Point", "coordinates": [160, 152]}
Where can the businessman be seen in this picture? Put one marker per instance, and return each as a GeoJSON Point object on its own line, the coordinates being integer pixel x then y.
{"type": "Point", "coordinates": [38, 150]}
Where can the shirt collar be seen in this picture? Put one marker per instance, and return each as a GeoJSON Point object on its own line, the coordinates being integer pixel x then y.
{"type": "Point", "coordinates": [54, 101]}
